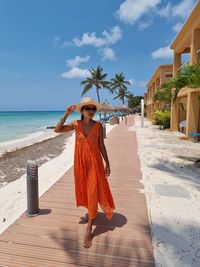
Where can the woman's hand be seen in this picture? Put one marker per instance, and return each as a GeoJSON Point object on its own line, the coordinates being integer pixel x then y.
{"type": "Point", "coordinates": [71, 108]}
{"type": "Point", "coordinates": [107, 170]}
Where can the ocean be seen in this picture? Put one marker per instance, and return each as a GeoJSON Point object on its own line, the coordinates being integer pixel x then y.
{"type": "Point", "coordinates": [22, 124]}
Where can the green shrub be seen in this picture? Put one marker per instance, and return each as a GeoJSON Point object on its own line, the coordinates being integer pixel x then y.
{"type": "Point", "coordinates": [162, 118]}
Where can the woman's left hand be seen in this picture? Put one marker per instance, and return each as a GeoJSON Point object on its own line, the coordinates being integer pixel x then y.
{"type": "Point", "coordinates": [107, 170]}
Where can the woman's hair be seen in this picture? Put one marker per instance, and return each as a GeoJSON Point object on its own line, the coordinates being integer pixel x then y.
{"type": "Point", "coordinates": [82, 117]}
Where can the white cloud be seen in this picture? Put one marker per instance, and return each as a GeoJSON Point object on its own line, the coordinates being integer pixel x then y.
{"type": "Point", "coordinates": [76, 73]}
{"type": "Point", "coordinates": [77, 61]}
{"type": "Point", "coordinates": [144, 25]}
{"type": "Point", "coordinates": [65, 44]}
{"type": "Point", "coordinates": [140, 84]}
{"type": "Point", "coordinates": [131, 81]}
{"type": "Point", "coordinates": [165, 11]}
{"type": "Point", "coordinates": [131, 11]}
{"type": "Point", "coordinates": [182, 9]}
{"type": "Point", "coordinates": [107, 54]}
{"type": "Point", "coordinates": [107, 38]}
{"type": "Point", "coordinates": [163, 52]}
{"type": "Point", "coordinates": [89, 39]}
{"type": "Point", "coordinates": [114, 36]}
{"type": "Point", "coordinates": [177, 27]}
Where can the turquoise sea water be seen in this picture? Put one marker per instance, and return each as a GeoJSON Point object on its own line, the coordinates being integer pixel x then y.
{"type": "Point", "coordinates": [17, 125]}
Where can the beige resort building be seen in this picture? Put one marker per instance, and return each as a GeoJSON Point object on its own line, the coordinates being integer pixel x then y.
{"type": "Point", "coordinates": [161, 75]}
{"type": "Point", "coordinates": [187, 105]}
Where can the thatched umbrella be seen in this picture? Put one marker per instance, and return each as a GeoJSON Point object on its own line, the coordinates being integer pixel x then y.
{"type": "Point", "coordinates": [106, 108]}
{"type": "Point", "coordinates": [125, 108]}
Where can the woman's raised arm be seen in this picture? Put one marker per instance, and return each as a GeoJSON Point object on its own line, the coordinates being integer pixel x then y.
{"type": "Point", "coordinates": [60, 128]}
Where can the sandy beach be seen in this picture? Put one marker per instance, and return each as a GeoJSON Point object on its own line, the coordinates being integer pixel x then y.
{"type": "Point", "coordinates": [13, 163]}
{"type": "Point", "coordinates": [172, 189]}
{"type": "Point", "coordinates": [54, 157]}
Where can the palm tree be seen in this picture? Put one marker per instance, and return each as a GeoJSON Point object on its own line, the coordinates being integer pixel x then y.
{"type": "Point", "coordinates": [96, 79]}
{"type": "Point", "coordinates": [122, 94]}
{"type": "Point", "coordinates": [118, 84]}
{"type": "Point", "coordinates": [189, 76]}
{"type": "Point", "coordinates": [164, 95]}
{"type": "Point", "coordinates": [192, 75]}
{"type": "Point", "coordinates": [134, 101]}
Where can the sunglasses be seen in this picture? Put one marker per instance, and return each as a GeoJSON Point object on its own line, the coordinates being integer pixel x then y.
{"type": "Point", "coordinates": [90, 109]}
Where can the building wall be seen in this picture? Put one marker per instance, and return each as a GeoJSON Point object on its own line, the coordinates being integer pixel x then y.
{"type": "Point", "coordinates": [160, 76]}
{"type": "Point", "coordinates": [187, 41]}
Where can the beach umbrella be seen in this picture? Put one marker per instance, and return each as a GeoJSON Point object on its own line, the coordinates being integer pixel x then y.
{"type": "Point", "coordinates": [105, 107]}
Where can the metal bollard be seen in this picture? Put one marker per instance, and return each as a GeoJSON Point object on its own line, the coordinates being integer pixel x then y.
{"type": "Point", "coordinates": [32, 189]}
{"type": "Point", "coordinates": [125, 120]}
{"type": "Point", "coordinates": [104, 130]}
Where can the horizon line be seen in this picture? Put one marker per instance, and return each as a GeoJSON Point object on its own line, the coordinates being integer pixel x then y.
{"type": "Point", "coordinates": [31, 110]}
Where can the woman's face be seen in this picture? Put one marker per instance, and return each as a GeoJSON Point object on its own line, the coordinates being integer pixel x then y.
{"type": "Point", "coordinates": [89, 111]}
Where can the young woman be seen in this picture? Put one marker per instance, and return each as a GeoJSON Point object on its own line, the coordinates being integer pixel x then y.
{"type": "Point", "coordinates": [91, 185]}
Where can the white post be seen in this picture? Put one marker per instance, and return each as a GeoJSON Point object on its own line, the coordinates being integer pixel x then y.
{"type": "Point", "coordinates": [142, 113]}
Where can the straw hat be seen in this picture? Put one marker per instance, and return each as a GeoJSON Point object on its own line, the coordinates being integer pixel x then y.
{"type": "Point", "coordinates": [87, 101]}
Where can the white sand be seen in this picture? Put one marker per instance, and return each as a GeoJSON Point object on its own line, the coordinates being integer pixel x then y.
{"type": "Point", "coordinates": [13, 199]}
{"type": "Point", "coordinates": [26, 141]}
{"type": "Point", "coordinates": [172, 191]}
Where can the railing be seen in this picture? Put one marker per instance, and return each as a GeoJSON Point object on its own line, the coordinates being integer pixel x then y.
{"type": "Point", "coordinates": [183, 65]}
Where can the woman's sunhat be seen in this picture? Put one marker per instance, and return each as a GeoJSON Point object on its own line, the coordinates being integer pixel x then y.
{"type": "Point", "coordinates": [87, 101]}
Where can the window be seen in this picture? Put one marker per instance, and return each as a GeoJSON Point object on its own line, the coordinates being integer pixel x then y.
{"type": "Point", "coordinates": [168, 75]}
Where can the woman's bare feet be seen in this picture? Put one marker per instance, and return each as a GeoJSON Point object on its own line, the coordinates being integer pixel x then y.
{"type": "Point", "coordinates": [88, 234]}
{"type": "Point", "coordinates": [88, 239]}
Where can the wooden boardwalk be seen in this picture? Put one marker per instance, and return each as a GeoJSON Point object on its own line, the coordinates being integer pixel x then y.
{"type": "Point", "coordinates": [55, 238]}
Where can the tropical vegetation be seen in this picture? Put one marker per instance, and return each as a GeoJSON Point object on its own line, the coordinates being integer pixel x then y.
{"type": "Point", "coordinates": [134, 101]}
{"type": "Point", "coordinates": [163, 95]}
{"type": "Point", "coordinates": [188, 76]}
{"type": "Point", "coordinates": [118, 85]}
{"type": "Point", "coordinates": [97, 79]}
{"type": "Point", "coordinates": [162, 118]}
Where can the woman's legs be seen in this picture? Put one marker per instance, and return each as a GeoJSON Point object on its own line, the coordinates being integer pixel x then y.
{"type": "Point", "coordinates": [88, 234]}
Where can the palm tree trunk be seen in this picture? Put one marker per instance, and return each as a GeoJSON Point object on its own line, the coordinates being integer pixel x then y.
{"type": "Point", "coordinates": [97, 90]}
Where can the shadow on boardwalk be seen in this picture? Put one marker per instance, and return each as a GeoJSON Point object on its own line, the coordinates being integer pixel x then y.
{"type": "Point", "coordinates": [103, 225]}
{"type": "Point", "coordinates": [107, 249]}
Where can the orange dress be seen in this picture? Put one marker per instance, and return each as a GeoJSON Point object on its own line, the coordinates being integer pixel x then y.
{"type": "Point", "coordinates": [91, 185]}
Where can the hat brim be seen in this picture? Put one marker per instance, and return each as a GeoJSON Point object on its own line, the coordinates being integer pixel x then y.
{"type": "Point", "coordinates": [79, 106]}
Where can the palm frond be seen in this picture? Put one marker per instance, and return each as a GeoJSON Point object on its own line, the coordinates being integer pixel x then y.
{"type": "Point", "coordinates": [86, 81]}
{"type": "Point", "coordinates": [86, 89]}
{"type": "Point", "coordinates": [96, 79]}
{"type": "Point", "coordinates": [104, 76]}
{"type": "Point", "coordinates": [105, 84]}
{"type": "Point", "coordinates": [127, 82]}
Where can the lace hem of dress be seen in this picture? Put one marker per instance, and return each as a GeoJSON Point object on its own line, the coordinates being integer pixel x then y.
{"type": "Point", "coordinates": [107, 210]}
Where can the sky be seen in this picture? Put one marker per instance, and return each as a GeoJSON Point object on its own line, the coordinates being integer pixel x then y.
{"type": "Point", "coordinates": [48, 47]}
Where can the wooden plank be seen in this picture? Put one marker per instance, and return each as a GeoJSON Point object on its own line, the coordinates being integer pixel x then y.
{"type": "Point", "coordinates": [72, 255]}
